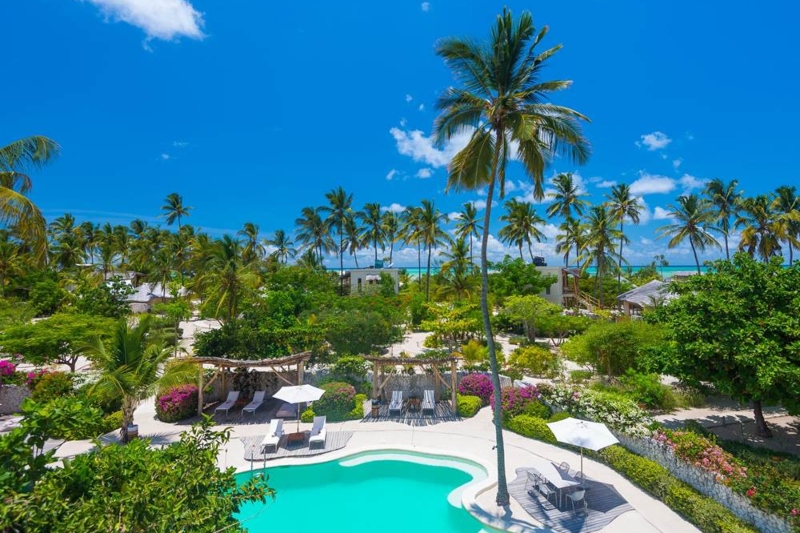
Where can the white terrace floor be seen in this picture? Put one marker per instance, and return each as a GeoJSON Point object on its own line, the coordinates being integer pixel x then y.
{"type": "Point", "coordinates": [470, 439]}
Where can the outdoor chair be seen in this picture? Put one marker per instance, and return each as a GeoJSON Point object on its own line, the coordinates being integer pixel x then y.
{"type": "Point", "coordinates": [233, 397]}
{"type": "Point", "coordinates": [564, 467]}
{"type": "Point", "coordinates": [273, 435]}
{"type": "Point", "coordinates": [577, 496]}
{"type": "Point", "coordinates": [258, 401]}
{"type": "Point", "coordinates": [540, 486]}
{"type": "Point", "coordinates": [318, 432]}
{"type": "Point", "coordinates": [429, 402]}
{"type": "Point", "coordinates": [396, 404]}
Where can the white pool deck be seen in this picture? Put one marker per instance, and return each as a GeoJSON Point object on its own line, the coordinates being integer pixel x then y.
{"type": "Point", "coordinates": [470, 439]}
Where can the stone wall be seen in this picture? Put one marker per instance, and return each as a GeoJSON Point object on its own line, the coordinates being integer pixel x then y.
{"type": "Point", "coordinates": [705, 483]}
{"type": "Point", "coordinates": [11, 397]}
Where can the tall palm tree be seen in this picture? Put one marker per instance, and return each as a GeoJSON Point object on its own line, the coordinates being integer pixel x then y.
{"type": "Point", "coordinates": [253, 251]}
{"type": "Point", "coordinates": [521, 220]}
{"type": "Point", "coordinates": [339, 206]}
{"type": "Point", "coordinates": [391, 228]}
{"type": "Point", "coordinates": [411, 233]}
{"type": "Point", "coordinates": [373, 226]}
{"type": "Point", "coordinates": [132, 366]}
{"type": "Point", "coordinates": [87, 232]}
{"type": "Point", "coordinates": [623, 205]}
{"type": "Point", "coordinates": [431, 235]}
{"type": "Point", "coordinates": [284, 247]}
{"type": "Point", "coordinates": [725, 198]}
{"type": "Point", "coordinates": [567, 197]}
{"type": "Point", "coordinates": [174, 209]}
{"type": "Point", "coordinates": [787, 208]}
{"type": "Point", "coordinates": [456, 271]}
{"type": "Point", "coordinates": [503, 103]}
{"type": "Point", "coordinates": [16, 209]}
{"type": "Point", "coordinates": [313, 231]}
{"type": "Point", "coordinates": [761, 233]}
{"type": "Point", "coordinates": [693, 220]}
{"type": "Point", "coordinates": [226, 277]}
{"type": "Point", "coordinates": [598, 245]}
{"type": "Point", "coordinates": [353, 236]}
{"type": "Point", "coordinates": [11, 264]}
{"type": "Point", "coordinates": [468, 224]}
{"type": "Point", "coordinates": [571, 234]}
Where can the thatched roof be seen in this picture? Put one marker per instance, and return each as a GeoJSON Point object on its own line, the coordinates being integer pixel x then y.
{"type": "Point", "coordinates": [644, 295]}
{"type": "Point", "coordinates": [293, 359]}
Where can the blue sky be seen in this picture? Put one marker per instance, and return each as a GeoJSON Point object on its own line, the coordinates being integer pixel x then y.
{"type": "Point", "coordinates": [252, 110]}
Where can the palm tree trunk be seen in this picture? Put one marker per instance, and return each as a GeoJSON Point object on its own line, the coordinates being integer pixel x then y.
{"type": "Point", "coordinates": [502, 499]}
{"type": "Point", "coordinates": [577, 256]}
{"type": "Point", "coordinates": [470, 249]}
{"type": "Point", "coordinates": [530, 252]}
{"type": "Point", "coordinates": [428, 276]}
{"type": "Point", "coordinates": [621, 242]}
{"type": "Point", "coordinates": [697, 261]}
{"type": "Point", "coordinates": [600, 278]}
{"type": "Point", "coordinates": [341, 259]}
{"type": "Point", "coordinates": [419, 263]}
{"type": "Point", "coordinates": [127, 418]}
{"type": "Point", "coordinates": [375, 242]}
{"type": "Point", "coordinates": [791, 258]}
{"type": "Point", "coordinates": [391, 251]}
{"type": "Point", "coordinates": [520, 253]}
{"type": "Point", "coordinates": [727, 253]}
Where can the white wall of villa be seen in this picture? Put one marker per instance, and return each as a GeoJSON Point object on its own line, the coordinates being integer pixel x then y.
{"type": "Point", "coordinates": [363, 280]}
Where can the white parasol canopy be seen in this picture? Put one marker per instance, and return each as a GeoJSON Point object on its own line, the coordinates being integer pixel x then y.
{"type": "Point", "coordinates": [589, 435]}
{"type": "Point", "coordinates": [299, 394]}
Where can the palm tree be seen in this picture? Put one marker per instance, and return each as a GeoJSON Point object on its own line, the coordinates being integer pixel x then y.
{"type": "Point", "coordinates": [456, 270]}
{"type": "Point", "coordinates": [253, 250]}
{"type": "Point", "coordinates": [693, 218]}
{"type": "Point", "coordinates": [566, 198]}
{"type": "Point", "coordinates": [174, 209]}
{"type": "Point", "coordinates": [88, 239]}
{"type": "Point", "coordinates": [391, 228]}
{"type": "Point", "coordinates": [314, 232]}
{"type": "Point", "coordinates": [340, 205]}
{"type": "Point", "coordinates": [226, 277]}
{"type": "Point", "coordinates": [132, 367]}
{"type": "Point", "coordinates": [353, 236]}
{"type": "Point", "coordinates": [503, 101]}
{"type": "Point", "coordinates": [599, 243]}
{"type": "Point", "coordinates": [16, 209]}
{"type": "Point", "coordinates": [787, 208]}
{"type": "Point", "coordinates": [571, 234]}
{"type": "Point", "coordinates": [761, 233]}
{"type": "Point", "coordinates": [521, 220]}
{"type": "Point", "coordinates": [468, 224]}
{"type": "Point", "coordinates": [623, 205]}
{"type": "Point", "coordinates": [373, 226]}
{"type": "Point", "coordinates": [411, 233]}
{"type": "Point", "coordinates": [725, 198]}
{"type": "Point", "coordinates": [11, 263]}
{"type": "Point", "coordinates": [284, 247]}
{"type": "Point", "coordinates": [431, 234]}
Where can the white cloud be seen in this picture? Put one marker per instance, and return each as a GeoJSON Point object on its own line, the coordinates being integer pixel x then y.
{"type": "Point", "coordinates": [424, 173]}
{"type": "Point", "coordinates": [676, 163]}
{"type": "Point", "coordinates": [180, 144]}
{"type": "Point", "coordinates": [402, 123]}
{"type": "Point", "coordinates": [654, 141]}
{"type": "Point", "coordinates": [409, 98]}
{"type": "Point", "coordinates": [644, 215]}
{"type": "Point", "coordinates": [165, 156]}
{"type": "Point", "coordinates": [481, 204]}
{"type": "Point", "coordinates": [453, 216]}
{"type": "Point", "coordinates": [652, 184]}
{"type": "Point", "coordinates": [550, 231]}
{"type": "Point", "coordinates": [659, 213]}
{"type": "Point", "coordinates": [391, 174]}
{"type": "Point", "coordinates": [394, 208]}
{"type": "Point", "coordinates": [420, 148]}
{"type": "Point", "coordinates": [421, 107]}
{"type": "Point", "coordinates": [606, 184]}
{"type": "Point", "coordinates": [645, 241]}
{"type": "Point", "coordinates": [426, 6]}
{"type": "Point", "coordinates": [159, 19]}
{"type": "Point", "coordinates": [511, 186]}
{"type": "Point", "coordinates": [691, 183]}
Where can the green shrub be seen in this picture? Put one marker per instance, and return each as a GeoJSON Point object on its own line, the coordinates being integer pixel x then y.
{"type": "Point", "coordinates": [648, 390]}
{"type": "Point", "coordinates": [579, 376]}
{"type": "Point", "coordinates": [474, 352]}
{"type": "Point", "coordinates": [51, 385]}
{"type": "Point", "coordinates": [358, 409]}
{"type": "Point", "coordinates": [307, 416]}
{"type": "Point", "coordinates": [468, 406]}
{"type": "Point", "coordinates": [532, 427]}
{"type": "Point", "coordinates": [337, 402]}
{"type": "Point", "coordinates": [537, 409]}
{"type": "Point", "coordinates": [535, 360]}
{"type": "Point", "coordinates": [108, 404]}
{"type": "Point", "coordinates": [556, 417]}
{"type": "Point", "coordinates": [351, 369]}
{"type": "Point", "coordinates": [65, 418]}
{"type": "Point", "coordinates": [112, 422]}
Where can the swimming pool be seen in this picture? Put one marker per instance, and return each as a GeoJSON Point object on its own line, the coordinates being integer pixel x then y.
{"type": "Point", "coordinates": [378, 491]}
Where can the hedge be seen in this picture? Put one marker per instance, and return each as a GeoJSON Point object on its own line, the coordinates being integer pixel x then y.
{"type": "Point", "coordinates": [705, 513]}
{"type": "Point", "coordinates": [468, 406]}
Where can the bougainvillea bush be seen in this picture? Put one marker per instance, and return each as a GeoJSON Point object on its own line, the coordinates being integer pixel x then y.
{"type": "Point", "coordinates": [516, 401]}
{"type": "Point", "coordinates": [479, 385]}
{"type": "Point", "coordinates": [177, 403]}
{"type": "Point", "coordinates": [337, 402]}
{"type": "Point", "coordinates": [9, 374]}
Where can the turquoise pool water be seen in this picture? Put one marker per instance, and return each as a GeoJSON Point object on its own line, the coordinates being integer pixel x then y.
{"type": "Point", "coordinates": [372, 492]}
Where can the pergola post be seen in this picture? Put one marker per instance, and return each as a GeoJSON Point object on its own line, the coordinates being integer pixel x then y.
{"type": "Point", "coordinates": [453, 384]}
{"type": "Point", "coordinates": [375, 369]}
{"type": "Point", "coordinates": [300, 373]}
{"type": "Point", "coordinates": [436, 381]}
{"type": "Point", "coordinates": [200, 392]}
{"type": "Point", "coordinates": [224, 382]}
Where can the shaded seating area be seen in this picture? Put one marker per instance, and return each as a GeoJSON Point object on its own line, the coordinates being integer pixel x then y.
{"type": "Point", "coordinates": [255, 448]}
{"type": "Point", "coordinates": [230, 401]}
{"type": "Point", "coordinates": [563, 501]}
{"type": "Point", "coordinates": [258, 401]}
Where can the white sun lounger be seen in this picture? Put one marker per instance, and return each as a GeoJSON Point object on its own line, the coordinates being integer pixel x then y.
{"type": "Point", "coordinates": [233, 397]}
{"type": "Point", "coordinates": [396, 404]}
{"type": "Point", "coordinates": [318, 432]}
{"type": "Point", "coordinates": [273, 435]}
{"type": "Point", "coordinates": [258, 401]}
{"type": "Point", "coordinates": [429, 402]}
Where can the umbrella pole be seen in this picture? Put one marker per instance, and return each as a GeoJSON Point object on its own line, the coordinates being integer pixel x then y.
{"type": "Point", "coordinates": [298, 418]}
{"type": "Point", "coordinates": [583, 476]}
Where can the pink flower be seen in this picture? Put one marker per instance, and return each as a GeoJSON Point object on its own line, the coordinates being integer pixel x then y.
{"type": "Point", "coordinates": [795, 512]}
{"type": "Point", "coordinates": [751, 492]}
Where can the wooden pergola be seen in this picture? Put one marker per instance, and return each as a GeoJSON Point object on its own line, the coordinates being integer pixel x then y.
{"type": "Point", "coordinates": [279, 366]}
{"type": "Point", "coordinates": [379, 362]}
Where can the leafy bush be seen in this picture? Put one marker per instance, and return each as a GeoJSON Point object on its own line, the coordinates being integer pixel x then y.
{"type": "Point", "coordinates": [9, 375]}
{"type": "Point", "coordinates": [532, 427]}
{"type": "Point", "coordinates": [108, 404]}
{"type": "Point", "coordinates": [177, 403]}
{"type": "Point", "coordinates": [561, 415]}
{"type": "Point", "coordinates": [479, 385]}
{"type": "Point", "coordinates": [514, 401]}
{"type": "Point", "coordinates": [351, 369]}
{"type": "Point", "coordinates": [48, 386]}
{"type": "Point", "coordinates": [112, 421]}
{"type": "Point", "coordinates": [468, 406]}
{"type": "Point", "coordinates": [648, 390]}
{"type": "Point", "coordinates": [358, 410]}
{"type": "Point", "coordinates": [475, 352]}
{"type": "Point", "coordinates": [579, 376]}
{"type": "Point", "coordinates": [307, 416]}
{"type": "Point", "coordinates": [337, 402]}
{"type": "Point", "coordinates": [538, 410]}
{"type": "Point", "coordinates": [65, 418]}
{"type": "Point", "coordinates": [535, 360]}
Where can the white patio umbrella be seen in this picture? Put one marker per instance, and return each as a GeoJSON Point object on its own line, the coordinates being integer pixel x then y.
{"type": "Point", "coordinates": [299, 394]}
{"type": "Point", "coordinates": [589, 435]}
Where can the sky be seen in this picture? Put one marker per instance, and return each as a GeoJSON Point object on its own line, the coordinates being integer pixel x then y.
{"type": "Point", "coordinates": [252, 110]}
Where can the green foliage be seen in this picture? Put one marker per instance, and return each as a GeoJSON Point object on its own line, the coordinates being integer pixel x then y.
{"type": "Point", "coordinates": [558, 327]}
{"type": "Point", "coordinates": [104, 299]}
{"type": "Point", "coordinates": [589, 284]}
{"type": "Point", "coordinates": [557, 417]}
{"type": "Point", "coordinates": [65, 418]}
{"type": "Point", "coordinates": [14, 313]}
{"type": "Point", "coordinates": [307, 416]}
{"type": "Point", "coordinates": [529, 310]}
{"type": "Point", "coordinates": [50, 386]}
{"type": "Point", "coordinates": [512, 277]}
{"type": "Point", "coordinates": [579, 376]}
{"type": "Point", "coordinates": [112, 421]}
{"type": "Point", "coordinates": [358, 409]}
{"type": "Point", "coordinates": [247, 339]}
{"type": "Point", "coordinates": [453, 324]}
{"type": "Point", "coordinates": [46, 297]}
{"type": "Point", "coordinates": [417, 309]}
{"type": "Point", "coordinates": [614, 347]}
{"type": "Point", "coordinates": [648, 390]}
{"type": "Point", "coordinates": [124, 488]}
{"type": "Point", "coordinates": [644, 275]}
{"type": "Point", "coordinates": [532, 427]}
{"type": "Point", "coordinates": [351, 369]}
{"type": "Point", "coordinates": [537, 409]}
{"type": "Point", "coordinates": [535, 360]}
{"type": "Point", "coordinates": [337, 403]}
{"type": "Point", "coordinates": [468, 406]}
{"type": "Point", "coordinates": [474, 352]}
{"type": "Point", "coordinates": [361, 324]}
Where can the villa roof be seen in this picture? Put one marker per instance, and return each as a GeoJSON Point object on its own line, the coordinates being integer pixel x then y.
{"type": "Point", "coordinates": [645, 294]}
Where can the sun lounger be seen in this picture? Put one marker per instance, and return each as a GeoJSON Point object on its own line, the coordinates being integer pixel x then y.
{"type": "Point", "coordinates": [429, 402]}
{"type": "Point", "coordinates": [258, 401]}
{"type": "Point", "coordinates": [233, 397]}
{"type": "Point", "coordinates": [396, 404]}
{"type": "Point", "coordinates": [273, 435]}
{"type": "Point", "coordinates": [318, 432]}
